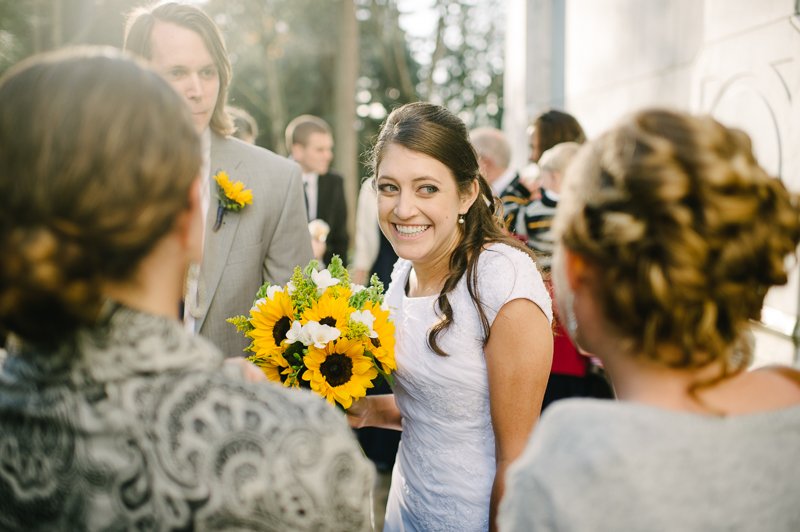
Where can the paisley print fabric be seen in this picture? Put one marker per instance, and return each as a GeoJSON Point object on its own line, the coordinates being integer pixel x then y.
{"type": "Point", "coordinates": [136, 425]}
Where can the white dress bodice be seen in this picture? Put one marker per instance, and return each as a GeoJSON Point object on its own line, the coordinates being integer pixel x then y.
{"type": "Point", "coordinates": [445, 467]}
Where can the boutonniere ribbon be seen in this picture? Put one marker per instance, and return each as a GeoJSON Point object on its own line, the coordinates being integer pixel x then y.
{"type": "Point", "coordinates": [231, 196]}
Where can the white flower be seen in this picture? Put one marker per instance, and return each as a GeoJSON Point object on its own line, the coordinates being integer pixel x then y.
{"type": "Point", "coordinates": [255, 305]}
{"type": "Point", "coordinates": [312, 333]}
{"type": "Point", "coordinates": [290, 287]}
{"type": "Point", "coordinates": [272, 290]}
{"type": "Point", "coordinates": [356, 288]}
{"type": "Point", "coordinates": [297, 334]}
{"type": "Point", "coordinates": [323, 280]}
{"type": "Point", "coordinates": [321, 334]}
{"type": "Point", "coordinates": [366, 318]}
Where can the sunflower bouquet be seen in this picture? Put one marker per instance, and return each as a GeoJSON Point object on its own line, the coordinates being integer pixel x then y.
{"type": "Point", "coordinates": [322, 332]}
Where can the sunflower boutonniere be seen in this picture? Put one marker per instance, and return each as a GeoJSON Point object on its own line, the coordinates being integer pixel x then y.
{"type": "Point", "coordinates": [231, 196]}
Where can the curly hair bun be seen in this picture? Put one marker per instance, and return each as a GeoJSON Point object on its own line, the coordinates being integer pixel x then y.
{"type": "Point", "coordinates": [688, 230]}
{"type": "Point", "coordinates": [97, 156]}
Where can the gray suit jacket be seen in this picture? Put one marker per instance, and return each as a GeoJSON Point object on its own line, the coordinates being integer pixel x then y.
{"type": "Point", "coordinates": [262, 242]}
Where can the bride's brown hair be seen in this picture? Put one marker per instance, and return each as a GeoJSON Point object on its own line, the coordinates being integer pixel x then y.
{"type": "Point", "coordinates": [436, 132]}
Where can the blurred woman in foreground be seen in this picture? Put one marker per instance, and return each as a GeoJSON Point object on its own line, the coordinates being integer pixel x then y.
{"type": "Point", "coordinates": [670, 235]}
{"type": "Point", "coordinates": [111, 416]}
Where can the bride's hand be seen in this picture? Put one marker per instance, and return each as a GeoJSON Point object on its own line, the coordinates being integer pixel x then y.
{"type": "Point", "coordinates": [357, 413]}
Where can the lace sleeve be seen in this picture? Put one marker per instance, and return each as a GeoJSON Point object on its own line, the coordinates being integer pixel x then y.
{"type": "Point", "coordinates": [505, 274]}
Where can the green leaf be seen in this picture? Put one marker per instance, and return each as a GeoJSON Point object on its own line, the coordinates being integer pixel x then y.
{"type": "Point", "coordinates": [262, 292]}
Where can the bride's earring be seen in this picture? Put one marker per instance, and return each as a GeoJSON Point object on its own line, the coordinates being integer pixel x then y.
{"type": "Point", "coordinates": [572, 322]}
{"type": "Point", "coordinates": [461, 219]}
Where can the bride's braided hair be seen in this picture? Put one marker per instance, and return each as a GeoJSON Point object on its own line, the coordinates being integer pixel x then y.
{"type": "Point", "coordinates": [686, 230]}
{"type": "Point", "coordinates": [436, 132]}
{"type": "Point", "coordinates": [97, 156]}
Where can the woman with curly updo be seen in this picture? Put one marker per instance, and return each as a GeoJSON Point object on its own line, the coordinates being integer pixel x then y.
{"type": "Point", "coordinates": [670, 236]}
{"type": "Point", "coordinates": [472, 317]}
{"type": "Point", "coordinates": [112, 417]}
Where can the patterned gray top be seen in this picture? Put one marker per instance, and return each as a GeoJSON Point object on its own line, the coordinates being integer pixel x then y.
{"type": "Point", "coordinates": [136, 426]}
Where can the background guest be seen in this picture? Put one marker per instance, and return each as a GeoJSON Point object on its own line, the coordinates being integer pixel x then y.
{"type": "Point", "coordinates": [546, 130]}
{"type": "Point", "coordinates": [572, 373]}
{"type": "Point", "coordinates": [494, 156]}
{"type": "Point", "coordinates": [112, 416]}
{"type": "Point", "coordinates": [246, 127]}
{"type": "Point", "coordinates": [669, 236]}
{"type": "Point", "coordinates": [311, 143]}
{"type": "Point", "coordinates": [553, 127]}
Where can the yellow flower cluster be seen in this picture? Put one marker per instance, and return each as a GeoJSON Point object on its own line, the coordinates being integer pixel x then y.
{"type": "Point", "coordinates": [325, 343]}
{"type": "Point", "coordinates": [234, 191]}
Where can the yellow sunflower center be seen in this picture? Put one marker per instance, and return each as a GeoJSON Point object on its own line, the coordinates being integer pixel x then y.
{"type": "Point", "coordinates": [329, 321]}
{"type": "Point", "coordinates": [337, 369]}
{"type": "Point", "coordinates": [282, 326]}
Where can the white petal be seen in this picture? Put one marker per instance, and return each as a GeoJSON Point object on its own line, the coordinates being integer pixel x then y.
{"type": "Point", "coordinates": [295, 333]}
{"type": "Point", "coordinates": [272, 290]}
{"type": "Point", "coordinates": [255, 307]}
{"type": "Point", "coordinates": [323, 280]}
{"type": "Point", "coordinates": [356, 288]}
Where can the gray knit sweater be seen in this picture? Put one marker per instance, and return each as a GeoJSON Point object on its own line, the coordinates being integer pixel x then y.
{"type": "Point", "coordinates": [596, 465]}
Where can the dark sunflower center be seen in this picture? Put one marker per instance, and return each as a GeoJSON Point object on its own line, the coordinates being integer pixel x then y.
{"type": "Point", "coordinates": [330, 321]}
{"type": "Point", "coordinates": [376, 342]}
{"type": "Point", "coordinates": [337, 369]}
{"type": "Point", "coordinates": [282, 326]}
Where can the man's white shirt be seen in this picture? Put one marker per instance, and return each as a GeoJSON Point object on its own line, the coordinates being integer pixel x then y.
{"type": "Point", "coordinates": [310, 185]}
{"type": "Point", "coordinates": [205, 203]}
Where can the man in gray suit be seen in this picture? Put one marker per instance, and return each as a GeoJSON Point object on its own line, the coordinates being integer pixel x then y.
{"type": "Point", "coordinates": [265, 240]}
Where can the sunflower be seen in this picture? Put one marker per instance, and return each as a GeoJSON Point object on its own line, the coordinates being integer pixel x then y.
{"type": "Point", "coordinates": [234, 191]}
{"type": "Point", "coordinates": [340, 372]}
{"type": "Point", "coordinates": [329, 310]}
{"type": "Point", "coordinates": [382, 347]}
{"type": "Point", "coordinates": [273, 366]}
{"type": "Point", "coordinates": [271, 321]}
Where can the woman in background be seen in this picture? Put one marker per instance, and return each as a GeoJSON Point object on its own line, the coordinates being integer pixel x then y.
{"type": "Point", "coordinates": [112, 417]}
{"type": "Point", "coordinates": [669, 236]}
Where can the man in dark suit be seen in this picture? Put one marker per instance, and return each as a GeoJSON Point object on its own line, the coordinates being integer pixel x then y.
{"type": "Point", "coordinates": [263, 241]}
{"type": "Point", "coordinates": [311, 143]}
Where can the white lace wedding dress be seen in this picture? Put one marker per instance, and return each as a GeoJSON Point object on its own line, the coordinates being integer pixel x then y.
{"type": "Point", "coordinates": [442, 479]}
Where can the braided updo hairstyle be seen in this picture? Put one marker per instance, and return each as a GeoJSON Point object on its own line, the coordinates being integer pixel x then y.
{"type": "Point", "coordinates": [435, 131]}
{"type": "Point", "coordinates": [686, 231]}
{"type": "Point", "coordinates": [97, 157]}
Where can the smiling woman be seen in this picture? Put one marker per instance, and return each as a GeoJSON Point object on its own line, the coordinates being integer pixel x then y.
{"type": "Point", "coordinates": [473, 341]}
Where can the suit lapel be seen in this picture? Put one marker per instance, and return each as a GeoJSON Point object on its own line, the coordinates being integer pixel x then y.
{"type": "Point", "coordinates": [217, 245]}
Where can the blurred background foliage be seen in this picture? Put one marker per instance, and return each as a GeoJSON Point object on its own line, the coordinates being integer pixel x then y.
{"type": "Point", "coordinates": [285, 54]}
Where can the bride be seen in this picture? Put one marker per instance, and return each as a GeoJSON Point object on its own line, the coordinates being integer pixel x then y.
{"type": "Point", "coordinates": [472, 317]}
